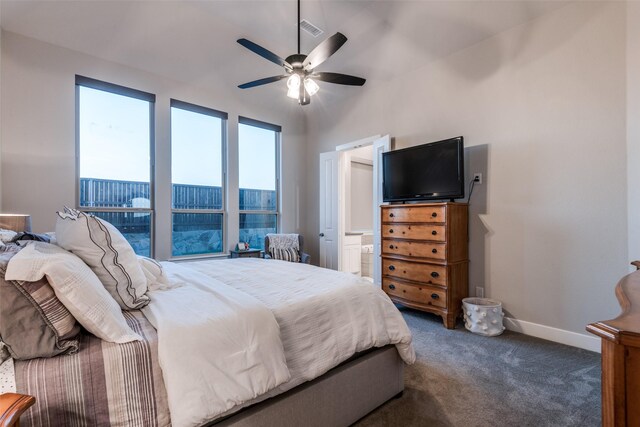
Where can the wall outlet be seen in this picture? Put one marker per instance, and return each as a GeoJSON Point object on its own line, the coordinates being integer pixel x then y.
{"type": "Point", "coordinates": [479, 292]}
{"type": "Point", "coordinates": [477, 177]}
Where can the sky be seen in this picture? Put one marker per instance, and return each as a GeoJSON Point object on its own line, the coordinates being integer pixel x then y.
{"type": "Point", "coordinates": [114, 144]}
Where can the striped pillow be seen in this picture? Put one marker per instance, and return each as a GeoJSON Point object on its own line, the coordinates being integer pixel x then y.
{"type": "Point", "coordinates": [285, 254]}
{"type": "Point", "coordinates": [33, 321]}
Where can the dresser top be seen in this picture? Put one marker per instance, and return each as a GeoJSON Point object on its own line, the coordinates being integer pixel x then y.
{"type": "Point", "coordinates": [416, 205]}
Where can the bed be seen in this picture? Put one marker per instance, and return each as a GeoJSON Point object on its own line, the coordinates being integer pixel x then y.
{"type": "Point", "coordinates": [240, 342]}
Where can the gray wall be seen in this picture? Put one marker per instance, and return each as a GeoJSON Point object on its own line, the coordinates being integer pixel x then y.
{"type": "Point", "coordinates": [633, 127]}
{"type": "Point", "coordinates": [38, 134]}
{"type": "Point", "coordinates": [542, 107]}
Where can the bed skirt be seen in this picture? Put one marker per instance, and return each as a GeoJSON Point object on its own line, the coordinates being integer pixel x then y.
{"type": "Point", "coordinates": [338, 398]}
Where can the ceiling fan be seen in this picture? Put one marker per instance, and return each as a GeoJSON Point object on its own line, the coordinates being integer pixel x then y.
{"type": "Point", "coordinates": [300, 68]}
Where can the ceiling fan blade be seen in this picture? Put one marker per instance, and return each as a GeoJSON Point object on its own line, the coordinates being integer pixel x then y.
{"type": "Point", "coordinates": [262, 82]}
{"type": "Point", "coordinates": [337, 78]}
{"type": "Point", "coordinates": [323, 51]}
{"type": "Point", "coordinates": [266, 54]}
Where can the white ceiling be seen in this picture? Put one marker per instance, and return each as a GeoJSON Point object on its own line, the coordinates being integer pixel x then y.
{"type": "Point", "coordinates": [196, 40]}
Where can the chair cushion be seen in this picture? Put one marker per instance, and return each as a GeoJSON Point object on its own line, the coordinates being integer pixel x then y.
{"type": "Point", "coordinates": [285, 254]}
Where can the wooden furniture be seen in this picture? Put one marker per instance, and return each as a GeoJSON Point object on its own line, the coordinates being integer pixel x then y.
{"type": "Point", "coordinates": [249, 253]}
{"type": "Point", "coordinates": [425, 257]}
{"type": "Point", "coordinates": [12, 405]}
{"type": "Point", "coordinates": [621, 356]}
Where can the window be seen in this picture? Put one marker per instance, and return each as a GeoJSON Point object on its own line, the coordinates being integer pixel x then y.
{"type": "Point", "coordinates": [114, 133]}
{"type": "Point", "coordinates": [258, 144]}
{"type": "Point", "coordinates": [198, 137]}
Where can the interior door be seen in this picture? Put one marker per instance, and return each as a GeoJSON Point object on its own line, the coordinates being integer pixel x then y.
{"type": "Point", "coordinates": [330, 202]}
{"type": "Point", "coordinates": [380, 146]}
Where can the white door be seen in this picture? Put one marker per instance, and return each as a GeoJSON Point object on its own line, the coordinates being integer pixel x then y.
{"type": "Point", "coordinates": [380, 145]}
{"type": "Point", "coordinates": [330, 200]}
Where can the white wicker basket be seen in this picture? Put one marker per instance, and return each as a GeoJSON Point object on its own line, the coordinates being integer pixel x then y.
{"type": "Point", "coordinates": [483, 316]}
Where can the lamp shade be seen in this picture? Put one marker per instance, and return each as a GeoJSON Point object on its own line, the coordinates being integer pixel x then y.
{"type": "Point", "coordinates": [15, 222]}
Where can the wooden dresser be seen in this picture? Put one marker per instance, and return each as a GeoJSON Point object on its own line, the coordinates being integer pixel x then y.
{"type": "Point", "coordinates": [425, 257]}
{"type": "Point", "coordinates": [621, 357]}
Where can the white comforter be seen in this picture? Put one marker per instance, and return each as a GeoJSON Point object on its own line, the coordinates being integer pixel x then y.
{"type": "Point", "coordinates": [277, 325]}
{"type": "Point", "coordinates": [217, 347]}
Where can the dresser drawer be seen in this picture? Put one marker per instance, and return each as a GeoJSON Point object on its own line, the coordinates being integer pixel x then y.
{"type": "Point", "coordinates": [414, 249]}
{"type": "Point", "coordinates": [421, 294]}
{"type": "Point", "coordinates": [414, 214]}
{"type": "Point", "coordinates": [416, 231]}
{"type": "Point", "coordinates": [418, 272]}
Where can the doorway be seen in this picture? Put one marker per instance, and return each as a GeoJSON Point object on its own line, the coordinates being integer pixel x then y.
{"type": "Point", "coordinates": [350, 198]}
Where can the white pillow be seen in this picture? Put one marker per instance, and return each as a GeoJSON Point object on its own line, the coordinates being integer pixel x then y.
{"type": "Point", "coordinates": [153, 271]}
{"type": "Point", "coordinates": [76, 286]}
{"type": "Point", "coordinates": [103, 248]}
{"type": "Point", "coordinates": [7, 235]}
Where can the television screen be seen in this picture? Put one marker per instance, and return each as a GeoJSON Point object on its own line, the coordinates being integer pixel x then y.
{"type": "Point", "coordinates": [425, 172]}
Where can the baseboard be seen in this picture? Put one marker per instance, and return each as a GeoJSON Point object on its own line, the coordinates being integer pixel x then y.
{"type": "Point", "coordinates": [561, 336]}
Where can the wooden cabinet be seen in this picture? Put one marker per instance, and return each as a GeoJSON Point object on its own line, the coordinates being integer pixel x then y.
{"type": "Point", "coordinates": [425, 257]}
{"type": "Point", "coordinates": [352, 253]}
{"type": "Point", "coordinates": [621, 357]}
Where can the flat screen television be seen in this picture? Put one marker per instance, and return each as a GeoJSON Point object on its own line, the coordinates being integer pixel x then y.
{"type": "Point", "coordinates": [432, 171]}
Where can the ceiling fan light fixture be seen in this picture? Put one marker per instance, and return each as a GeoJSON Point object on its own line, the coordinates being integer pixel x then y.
{"type": "Point", "coordinates": [299, 67]}
{"type": "Point", "coordinates": [293, 86]}
{"type": "Point", "coordinates": [311, 86]}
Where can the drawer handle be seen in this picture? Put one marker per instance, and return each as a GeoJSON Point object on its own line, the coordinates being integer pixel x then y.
{"type": "Point", "coordinates": [390, 246]}
{"type": "Point", "coordinates": [435, 214]}
{"type": "Point", "coordinates": [434, 250]}
{"type": "Point", "coordinates": [391, 230]}
{"type": "Point", "coordinates": [391, 215]}
{"type": "Point", "coordinates": [392, 286]}
{"type": "Point", "coordinates": [435, 274]}
{"type": "Point", "coordinates": [435, 296]}
{"type": "Point", "coordinates": [434, 232]}
{"type": "Point", "coordinates": [391, 267]}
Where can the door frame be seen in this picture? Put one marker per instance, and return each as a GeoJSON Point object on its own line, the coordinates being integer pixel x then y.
{"type": "Point", "coordinates": [359, 143]}
{"type": "Point", "coordinates": [368, 141]}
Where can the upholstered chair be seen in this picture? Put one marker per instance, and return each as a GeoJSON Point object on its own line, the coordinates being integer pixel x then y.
{"type": "Point", "coordinates": [304, 257]}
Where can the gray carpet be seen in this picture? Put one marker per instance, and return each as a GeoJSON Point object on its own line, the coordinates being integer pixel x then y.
{"type": "Point", "coordinates": [462, 379]}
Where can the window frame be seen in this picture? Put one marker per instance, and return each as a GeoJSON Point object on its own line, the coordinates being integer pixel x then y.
{"type": "Point", "coordinates": [194, 108]}
{"type": "Point", "coordinates": [277, 129]}
{"type": "Point", "coordinates": [82, 81]}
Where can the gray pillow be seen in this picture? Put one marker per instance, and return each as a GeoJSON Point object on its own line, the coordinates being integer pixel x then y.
{"type": "Point", "coordinates": [33, 321]}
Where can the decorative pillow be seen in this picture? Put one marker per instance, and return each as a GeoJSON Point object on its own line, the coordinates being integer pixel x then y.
{"type": "Point", "coordinates": [285, 254]}
{"type": "Point", "coordinates": [7, 235]}
{"type": "Point", "coordinates": [103, 248]}
{"type": "Point", "coordinates": [153, 271]}
{"type": "Point", "coordinates": [76, 286]}
{"type": "Point", "coordinates": [33, 322]}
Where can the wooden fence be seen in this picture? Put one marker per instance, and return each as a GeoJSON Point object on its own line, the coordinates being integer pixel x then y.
{"type": "Point", "coordinates": [104, 193]}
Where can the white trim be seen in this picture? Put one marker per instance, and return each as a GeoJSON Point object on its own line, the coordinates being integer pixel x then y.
{"type": "Point", "coordinates": [359, 143]}
{"type": "Point", "coordinates": [561, 336]}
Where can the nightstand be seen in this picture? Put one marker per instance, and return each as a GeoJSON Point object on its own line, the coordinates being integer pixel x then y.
{"type": "Point", "coordinates": [249, 253]}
